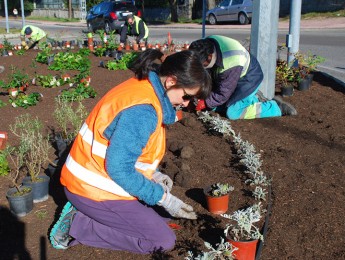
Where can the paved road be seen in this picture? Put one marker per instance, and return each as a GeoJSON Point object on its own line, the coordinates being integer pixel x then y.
{"type": "Point", "coordinates": [325, 37]}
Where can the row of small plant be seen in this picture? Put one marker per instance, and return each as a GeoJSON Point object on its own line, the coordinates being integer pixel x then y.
{"type": "Point", "coordinates": [79, 88]}
{"type": "Point", "coordinates": [19, 82]}
{"type": "Point", "coordinates": [242, 223]}
{"type": "Point", "coordinates": [289, 73]}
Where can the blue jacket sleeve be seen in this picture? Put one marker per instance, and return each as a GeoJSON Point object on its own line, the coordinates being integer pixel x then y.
{"type": "Point", "coordinates": [128, 134]}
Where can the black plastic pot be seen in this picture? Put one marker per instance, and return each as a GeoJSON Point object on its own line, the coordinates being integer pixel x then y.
{"type": "Point", "coordinates": [107, 53]}
{"type": "Point", "coordinates": [102, 64]}
{"type": "Point", "coordinates": [287, 91]}
{"type": "Point", "coordinates": [50, 60]}
{"type": "Point", "coordinates": [40, 188]}
{"type": "Point", "coordinates": [4, 53]}
{"type": "Point", "coordinates": [20, 205]}
{"type": "Point", "coordinates": [118, 55]}
{"type": "Point", "coordinates": [304, 84]}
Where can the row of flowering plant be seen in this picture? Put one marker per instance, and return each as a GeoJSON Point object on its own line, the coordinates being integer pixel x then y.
{"type": "Point", "coordinates": [243, 223]}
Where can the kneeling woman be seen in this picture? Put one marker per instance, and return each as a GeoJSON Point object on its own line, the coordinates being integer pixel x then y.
{"type": "Point", "coordinates": [110, 175]}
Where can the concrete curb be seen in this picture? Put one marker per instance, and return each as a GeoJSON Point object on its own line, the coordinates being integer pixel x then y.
{"type": "Point", "coordinates": [340, 82]}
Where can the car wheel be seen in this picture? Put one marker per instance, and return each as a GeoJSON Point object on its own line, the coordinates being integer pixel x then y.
{"type": "Point", "coordinates": [107, 28]}
{"type": "Point", "coordinates": [89, 27]}
{"type": "Point", "coordinates": [243, 19]}
{"type": "Point", "coordinates": [212, 19]}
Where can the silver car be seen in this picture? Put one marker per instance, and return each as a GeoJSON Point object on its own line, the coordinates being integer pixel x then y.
{"type": "Point", "coordinates": [231, 10]}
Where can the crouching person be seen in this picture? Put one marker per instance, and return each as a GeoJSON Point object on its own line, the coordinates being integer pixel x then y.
{"type": "Point", "coordinates": [33, 34]}
{"type": "Point", "coordinates": [110, 175]}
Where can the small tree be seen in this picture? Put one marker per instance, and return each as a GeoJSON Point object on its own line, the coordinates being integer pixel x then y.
{"type": "Point", "coordinates": [33, 144]}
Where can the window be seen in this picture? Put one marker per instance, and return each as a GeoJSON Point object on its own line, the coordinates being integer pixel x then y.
{"type": "Point", "coordinates": [225, 3]}
{"type": "Point", "coordinates": [237, 2]}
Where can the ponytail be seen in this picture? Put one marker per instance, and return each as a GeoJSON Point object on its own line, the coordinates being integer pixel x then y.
{"type": "Point", "coordinates": [149, 60]}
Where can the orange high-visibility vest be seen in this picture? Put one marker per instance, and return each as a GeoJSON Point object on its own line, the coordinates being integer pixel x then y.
{"type": "Point", "coordinates": [84, 172]}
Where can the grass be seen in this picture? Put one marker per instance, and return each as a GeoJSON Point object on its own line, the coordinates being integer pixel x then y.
{"type": "Point", "coordinates": [52, 19]}
{"type": "Point", "coordinates": [313, 15]}
{"type": "Point", "coordinates": [3, 30]}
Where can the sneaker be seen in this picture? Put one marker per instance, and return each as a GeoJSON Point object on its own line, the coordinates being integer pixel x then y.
{"type": "Point", "coordinates": [2, 69]}
{"type": "Point", "coordinates": [59, 235]}
{"type": "Point", "coordinates": [286, 108]}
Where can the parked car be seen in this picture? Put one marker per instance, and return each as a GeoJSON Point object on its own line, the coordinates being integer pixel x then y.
{"type": "Point", "coordinates": [231, 10]}
{"type": "Point", "coordinates": [110, 15]}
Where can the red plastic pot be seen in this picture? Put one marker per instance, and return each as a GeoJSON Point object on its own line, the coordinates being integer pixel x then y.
{"type": "Point", "coordinates": [179, 115]}
{"type": "Point", "coordinates": [246, 249]}
{"type": "Point", "coordinates": [216, 205]}
{"type": "Point", "coordinates": [3, 140]}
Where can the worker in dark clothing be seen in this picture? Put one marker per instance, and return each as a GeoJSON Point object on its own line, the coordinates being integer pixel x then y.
{"type": "Point", "coordinates": [136, 27]}
{"type": "Point", "coordinates": [237, 77]}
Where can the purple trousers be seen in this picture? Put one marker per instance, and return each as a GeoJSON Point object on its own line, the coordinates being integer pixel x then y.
{"type": "Point", "coordinates": [119, 225]}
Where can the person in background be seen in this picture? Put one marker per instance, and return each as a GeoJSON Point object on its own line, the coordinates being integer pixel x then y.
{"type": "Point", "coordinates": [2, 69]}
{"type": "Point", "coordinates": [237, 77]}
{"type": "Point", "coordinates": [33, 34]}
{"type": "Point", "coordinates": [134, 26]}
{"type": "Point", "coordinates": [15, 12]}
{"type": "Point", "coordinates": [110, 176]}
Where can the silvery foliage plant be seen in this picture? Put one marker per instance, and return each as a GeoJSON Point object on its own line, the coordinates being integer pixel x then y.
{"type": "Point", "coordinates": [217, 124]}
{"type": "Point", "coordinates": [243, 227]}
{"type": "Point", "coordinates": [245, 151]}
{"type": "Point", "coordinates": [258, 178]}
{"type": "Point", "coordinates": [259, 193]}
{"type": "Point", "coordinates": [223, 251]}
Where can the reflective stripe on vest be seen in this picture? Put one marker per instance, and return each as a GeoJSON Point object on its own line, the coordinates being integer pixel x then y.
{"type": "Point", "coordinates": [97, 148]}
{"type": "Point", "coordinates": [233, 53]}
{"type": "Point", "coordinates": [101, 182]}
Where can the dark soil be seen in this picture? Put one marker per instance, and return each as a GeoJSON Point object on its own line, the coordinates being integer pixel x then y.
{"type": "Point", "coordinates": [303, 154]}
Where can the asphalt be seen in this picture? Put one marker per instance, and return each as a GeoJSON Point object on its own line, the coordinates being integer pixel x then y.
{"type": "Point", "coordinates": [305, 24]}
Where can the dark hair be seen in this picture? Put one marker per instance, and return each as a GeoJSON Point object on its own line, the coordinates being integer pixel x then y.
{"type": "Point", "coordinates": [28, 31]}
{"type": "Point", "coordinates": [204, 47]}
{"type": "Point", "coordinates": [185, 66]}
{"type": "Point", "coordinates": [129, 16]}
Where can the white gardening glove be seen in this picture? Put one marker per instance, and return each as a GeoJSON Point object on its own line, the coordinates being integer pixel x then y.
{"type": "Point", "coordinates": [177, 208]}
{"type": "Point", "coordinates": [164, 180]}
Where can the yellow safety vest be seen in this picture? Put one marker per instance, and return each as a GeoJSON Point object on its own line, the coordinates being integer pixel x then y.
{"type": "Point", "coordinates": [36, 35]}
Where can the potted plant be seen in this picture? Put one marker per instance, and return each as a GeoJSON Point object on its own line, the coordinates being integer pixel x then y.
{"type": "Point", "coordinates": [127, 46]}
{"type": "Point", "coordinates": [20, 198]}
{"type": "Point", "coordinates": [285, 75]}
{"type": "Point", "coordinates": [69, 120]}
{"type": "Point", "coordinates": [7, 47]}
{"type": "Point", "coordinates": [30, 135]}
{"type": "Point", "coordinates": [307, 64]}
{"type": "Point", "coordinates": [223, 250]}
{"type": "Point", "coordinates": [217, 197]}
{"type": "Point", "coordinates": [242, 232]}
{"type": "Point", "coordinates": [112, 44]}
{"type": "Point", "coordinates": [3, 140]}
{"type": "Point", "coordinates": [16, 80]}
